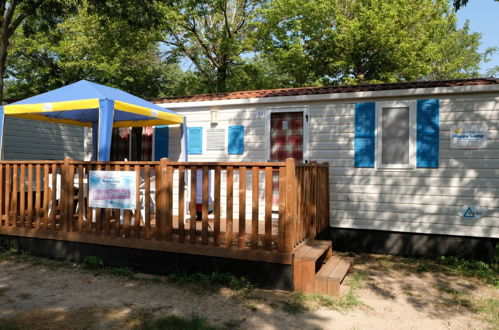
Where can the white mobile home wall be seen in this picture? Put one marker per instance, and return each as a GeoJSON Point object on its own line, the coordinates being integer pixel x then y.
{"type": "Point", "coordinates": [421, 200]}
{"type": "Point", "coordinates": [36, 140]}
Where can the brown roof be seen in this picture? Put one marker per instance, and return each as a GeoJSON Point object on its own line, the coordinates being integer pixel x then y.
{"type": "Point", "coordinates": [326, 90]}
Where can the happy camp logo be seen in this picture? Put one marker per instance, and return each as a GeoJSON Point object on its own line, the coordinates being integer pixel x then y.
{"type": "Point", "coordinates": [458, 130]}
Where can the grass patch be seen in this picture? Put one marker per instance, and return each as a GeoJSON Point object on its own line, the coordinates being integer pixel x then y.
{"type": "Point", "coordinates": [490, 309]}
{"type": "Point", "coordinates": [486, 273]}
{"type": "Point", "coordinates": [294, 307]}
{"type": "Point", "coordinates": [300, 302]}
{"type": "Point", "coordinates": [421, 268]}
{"type": "Point", "coordinates": [20, 256]}
{"type": "Point", "coordinates": [120, 271]}
{"type": "Point", "coordinates": [93, 263]}
{"type": "Point", "coordinates": [477, 269]}
{"type": "Point", "coordinates": [145, 320]}
{"type": "Point", "coordinates": [98, 318]}
{"type": "Point", "coordinates": [84, 318]}
{"type": "Point", "coordinates": [213, 281]}
{"type": "Point", "coordinates": [251, 306]}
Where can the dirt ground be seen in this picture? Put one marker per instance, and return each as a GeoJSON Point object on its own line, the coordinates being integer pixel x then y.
{"type": "Point", "coordinates": [381, 292]}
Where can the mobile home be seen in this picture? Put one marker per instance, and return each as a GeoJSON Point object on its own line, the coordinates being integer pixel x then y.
{"type": "Point", "coordinates": [414, 167]}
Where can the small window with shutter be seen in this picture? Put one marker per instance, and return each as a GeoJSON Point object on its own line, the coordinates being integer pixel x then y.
{"type": "Point", "coordinates": [396, 134]}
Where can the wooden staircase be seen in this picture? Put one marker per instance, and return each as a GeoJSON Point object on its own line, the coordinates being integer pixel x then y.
{"type": "Point", "coordinates": [317, 270]}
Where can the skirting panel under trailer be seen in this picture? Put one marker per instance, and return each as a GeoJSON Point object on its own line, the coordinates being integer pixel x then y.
{"type": "Point", "coordinates": [411, 244]}
{"type": "Point", "coordinates": [263, 274]}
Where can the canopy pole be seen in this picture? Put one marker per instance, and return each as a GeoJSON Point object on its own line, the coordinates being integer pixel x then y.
{"type": "Point", "coordinates": [95, 138]}
{"type": "Point", "coordinates": [105, 130]}
{"type": "Point", "coordinates": [184, 140]}
{"type": "Point", "coordinates": [2, 121]}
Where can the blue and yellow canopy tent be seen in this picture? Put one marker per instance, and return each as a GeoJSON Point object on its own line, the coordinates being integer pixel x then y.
{"type": "Point", "coordinates": [88, 104]}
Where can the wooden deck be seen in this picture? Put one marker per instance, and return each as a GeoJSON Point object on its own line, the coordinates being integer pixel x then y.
{"type": "Point", "coordinates": [261, 211]}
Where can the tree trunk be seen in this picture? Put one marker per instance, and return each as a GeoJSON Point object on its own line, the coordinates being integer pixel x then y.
{"type": "Point", "coordinates": [221, 79]}
{"type": "Point", "coordinates": [4, 44]}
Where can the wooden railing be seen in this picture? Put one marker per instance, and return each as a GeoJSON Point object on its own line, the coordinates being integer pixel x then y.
{"type": "Point", "coordinates": [255, 206]}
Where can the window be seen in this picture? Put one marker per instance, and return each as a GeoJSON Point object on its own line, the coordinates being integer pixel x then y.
{"type": "Point", "coordinates": [395, 135]}
{"type": "Point", "coordinates": [215, 139]}
{"type": "Point", "coordinates": [132, 143]}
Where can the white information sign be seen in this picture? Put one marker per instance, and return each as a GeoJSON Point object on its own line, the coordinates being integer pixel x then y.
{"type": "Point", "coordinates": [112, 189]}
{"type": "Point", "coordinates": [468, 136]}
{"type": "Point", "coordinates": [472, 212]}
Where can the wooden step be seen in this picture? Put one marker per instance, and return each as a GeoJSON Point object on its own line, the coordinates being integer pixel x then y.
{"type": "Point", "coordinates": [313, 250]}
{"type": "Point", "coordinates": [308, 259]}
{"type": "Point", "coordinates": [331, 275]}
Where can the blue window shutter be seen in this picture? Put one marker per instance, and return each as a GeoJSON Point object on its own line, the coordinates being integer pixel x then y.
{"type": "Point", "coordinates": [161, 140]}
{"type": "Point", "coordinates": [365, 116]}
{"type": "Point", "coordinates": [427, 137]}
{"type": "Point", "coordinates": [236, 140]}
{"type": "Point", "coordinates": [195, 140]}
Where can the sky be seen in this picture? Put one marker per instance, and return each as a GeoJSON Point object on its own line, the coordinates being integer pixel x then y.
{"type": "Point", "coordinates": [483, 17]}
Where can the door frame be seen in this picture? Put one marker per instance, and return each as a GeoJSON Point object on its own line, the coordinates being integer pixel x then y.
{"type": "Point", "coordinates": [283, 109]}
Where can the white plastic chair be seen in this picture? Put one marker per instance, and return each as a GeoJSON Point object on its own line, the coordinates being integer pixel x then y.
{"type": "Point", "coordinates": [57, 190]}
{"type": "Point", "coordinates": [143, 197]}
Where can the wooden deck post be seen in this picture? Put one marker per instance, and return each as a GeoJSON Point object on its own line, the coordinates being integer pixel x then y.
{"type": "Point", "coordinates": [314, 197]}
{"type": "Point", "coordinates": [290, 220]}
{"type": "Point", "coordinates": [161, 212]}
{"type": "Point", "coordinates": [65, 194]}
{"type": "Point", "coordinates": [328, 197]}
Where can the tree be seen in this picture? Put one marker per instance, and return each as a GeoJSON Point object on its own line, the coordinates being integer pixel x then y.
{"type": "Point", "coordinates": [99, 42]}
{"type": "Point", "coordinates": [213, 35]}
{"type": "Point", "coordinates": [13, 14]}
{"type": "Point", "coordinates": [322, 42]}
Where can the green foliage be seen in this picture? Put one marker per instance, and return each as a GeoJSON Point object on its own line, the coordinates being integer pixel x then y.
{"type": "Point", "coordinates": [121, 271]}
{"type": "Point", "coordinates": [93, 263]}
{"type": "Point", "coordinates": [421, 268]}
{"type": "Point", "coordinates": [181, 47]}
{"type": "Point", "coordinates": [478, 269]}
{"type": "Point", "coordinates": [367, 41]}
{"type": "Point", "coordinates": [8, 244]}
{"type": "Point", "coordinates": [490, 308]}
{"type": "Point", "coordinates": [295, 305]}
{"type": "Point", "coordinates": [214, 36]}
{"type": "Point", "coordinates": [212, 281]}
{"type": "Point", "coordinates": [105, 46]}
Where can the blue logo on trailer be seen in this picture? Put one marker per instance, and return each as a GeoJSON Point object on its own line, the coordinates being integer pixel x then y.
{"type": "Point", "coordinates": [469, 213]}
{"type": "Point", "coordinates": [472, 212]}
